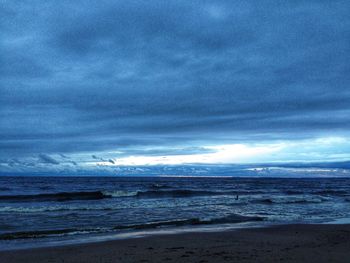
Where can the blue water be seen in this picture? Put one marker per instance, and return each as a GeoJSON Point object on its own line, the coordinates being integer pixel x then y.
{"type": "Point", "coordinates": [39, 210]}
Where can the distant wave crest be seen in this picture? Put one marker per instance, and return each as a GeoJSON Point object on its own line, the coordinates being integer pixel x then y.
{"type": "Point", "coordinates": [35, 209]}
{"type": "Point", "coordinates": [189, 193]}
{"type": "Point", "coordinates": [161, 193]}
{"type": "Point", "coordinates": [332, 192]}
{"type": "Point", "coordinates": [305, 200]}
{"type": "Point", "coordinates": [60, 197]}
{"type": "Point", "coordinates": [96, 195]}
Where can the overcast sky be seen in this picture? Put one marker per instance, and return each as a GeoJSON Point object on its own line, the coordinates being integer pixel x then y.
{"type": "Point", "coordinates": [94, 83]}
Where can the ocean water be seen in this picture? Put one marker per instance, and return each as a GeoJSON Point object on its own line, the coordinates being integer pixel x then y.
{"type": "Point", "coordinates": [36, 211]}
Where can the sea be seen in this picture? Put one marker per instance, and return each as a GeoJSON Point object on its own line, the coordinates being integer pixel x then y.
{"type": "Point", "coordinates": [46, 211]}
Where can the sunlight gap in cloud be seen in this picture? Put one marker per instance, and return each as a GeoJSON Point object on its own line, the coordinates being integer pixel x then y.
{"type": "Point", "coordinates": [246, 153]}
{"type": "Point", "coordinates": [229, 153]}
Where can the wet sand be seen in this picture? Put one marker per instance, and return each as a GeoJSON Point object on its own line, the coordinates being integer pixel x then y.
{"type": "Point", "coordinates": [288, 243]}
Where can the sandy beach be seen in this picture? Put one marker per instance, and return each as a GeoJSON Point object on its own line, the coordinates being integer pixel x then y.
{"type": "Point", "coordinates": [287, 243]}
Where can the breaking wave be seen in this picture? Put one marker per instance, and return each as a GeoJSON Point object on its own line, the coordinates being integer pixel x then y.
{"type": "Point", "coordinates": [230, 219]}
{"type": "Point", "coordinates": [169, 193]}
{"type": "Point", "coordinates": [48, 233]}
{"type": "Point", "coordinates": [96, 195]}
{"type": "Point", "coordinates": [176, 193]}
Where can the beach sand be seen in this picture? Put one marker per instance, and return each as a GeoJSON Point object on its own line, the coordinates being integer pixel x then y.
{"type": "Point", "coordinates": [287, 243]}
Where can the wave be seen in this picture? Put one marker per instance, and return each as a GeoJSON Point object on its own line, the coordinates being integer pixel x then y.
{"type": "Point", "coordinates": [175, 193]}
{"type": "Point", "coordinates": [160, 186]}
{"type": "Point", "coordinates": [289, 200]}
{"type": "Point", "coordinates": [233, 218]}
{"type": "Point", "coordinates": [178, 193]}
{"type": "Point", "coordinates": [180, 222]}
{"type": "Point", "coordinates": [332, 192]}
{"type": "Point", "coordinates": [5, 189]}
{"type": "Point", "coordinates": [120, 193]}
{"type": "Point", "coordinates": [189, 193]}
{"type": "Point", "coordinates": [59, 197]}
{"type": "Point", "coordinates": [319, 192]}
{"type": "Point", "coordinates": [294, 192]}
{"type": "Point", "coordinates": [97, 195]}
{"type": "Point", "coordinates": [48, 233]}
{"type": "Point", "coordinates": [12, 209]}
{"type": "Point", "coordinates": [46, 187]}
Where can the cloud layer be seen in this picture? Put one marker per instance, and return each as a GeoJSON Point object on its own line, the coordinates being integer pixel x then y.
{"type": "Point", "coordinates": [96, 76]}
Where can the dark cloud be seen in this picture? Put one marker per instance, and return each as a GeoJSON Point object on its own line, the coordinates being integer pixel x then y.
{"type": "Point", "coordinates": [64, 156]}
{"type": "Point", "coordinates": [15, 163]}
{"type": "Point", "coordinates": [89, 76]}
{"type": "Point", "coordinates": [44, 158]}
{"type": "Point", "coordinates": [103, 160]}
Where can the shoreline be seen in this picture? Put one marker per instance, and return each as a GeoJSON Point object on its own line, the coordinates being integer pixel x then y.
{"type": "Point", "coordinates": [42, 243]}
{"type": "Point", "coordinates": [282, 243]}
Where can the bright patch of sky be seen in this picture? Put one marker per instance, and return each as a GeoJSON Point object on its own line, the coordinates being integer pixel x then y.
{"type": "Point", "coordinates": [320, 149]}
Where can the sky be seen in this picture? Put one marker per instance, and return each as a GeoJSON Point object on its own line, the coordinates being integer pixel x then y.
{"type": "Point", "coordinates": [103, 84]}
